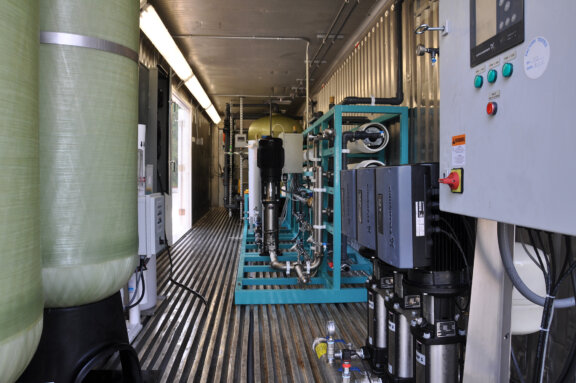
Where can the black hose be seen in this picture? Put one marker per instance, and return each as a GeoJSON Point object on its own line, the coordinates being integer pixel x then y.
{"type": "Point", "coordinates": [548, 303]}
{"type": "Point", "coordinates": [250, 359]}
{"type": "Point", "coordinates": [143, 291]}
{"type": "Point", "coordinates": [171, 273]}
{"type": "Point", "coordinates": [399, 98]}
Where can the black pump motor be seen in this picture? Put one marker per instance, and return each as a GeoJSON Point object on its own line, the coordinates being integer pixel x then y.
{"type": "Point", "coordinates": [270, 159]}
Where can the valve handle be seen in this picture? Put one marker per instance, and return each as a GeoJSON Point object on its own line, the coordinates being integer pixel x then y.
{"type": "Point", "coordinates": [453, 180]}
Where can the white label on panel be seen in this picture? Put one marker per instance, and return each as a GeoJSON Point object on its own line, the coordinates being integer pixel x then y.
{"type": "Point", "coordinates": [392, 326]}
{"type": "Point", "coordinates": [419, 221]}
{"type": "Point", "coordinates": [536, 57]}
{"type": "Point", "coordinates": [459, 151]}
{"type": "Point", "coordinates": [420, 358]}
{"type": "Point", "coordinates": [510, 56]}
{"type": "Point", "coordinates": [371, 305]}
{"type": "Point", "coordinates": [494, 64]}
{"type": "Point", "coordinates": [458, 156]}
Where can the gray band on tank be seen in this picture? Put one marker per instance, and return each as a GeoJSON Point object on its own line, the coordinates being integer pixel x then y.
{"type": "Point", "coordinates": [71, 39]}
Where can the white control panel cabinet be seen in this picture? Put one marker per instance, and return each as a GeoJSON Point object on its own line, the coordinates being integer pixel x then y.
{"type": "Point", "coordinates": [151, 216]}
{"type": "Point", "coordinates": [507, 114]}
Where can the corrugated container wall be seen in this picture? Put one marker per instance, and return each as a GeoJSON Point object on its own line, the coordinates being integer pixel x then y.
{"type": "Point", "coordinates": [370, 70]}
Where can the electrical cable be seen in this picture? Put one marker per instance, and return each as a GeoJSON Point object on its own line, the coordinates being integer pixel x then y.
{"type": "Point", "coordinates": [459, 246]}
{"type": "Point", "coordinates": [567, 270]}
{"type": "Point", "coordinates": [549, 276]}
{"type": "Point", "coordinates": [545, 347]}
{"type": "Point", "coordinates": [171, 271]}
{"type": "Point", "coordinates": [532, 257]}
{"type": "Point", "coordinates": [366, 368]}
{"type": "Point", "coordinates": [553, 257]}
{"type": "Point", "coordinates": [447, 223]}
{"type": "Point", "coordinates": [468, 228]}
{"type": "Point", "coordinates": [250, 359]}
{"type": "Point", "coordinates": [135, 289]}
{"type": "Point", "coordinates": [569, 364]}
{"type": "Point", "coordinates": [178, 284]}
{"type": "Point", "coordinates": [455, 239]}
{"type": "Point", "coordinates": [143, 292]}
{"type": "Point", "coordinates": [545, 322]}
{"type": "Point", "coordinates": [506, 256]}
{"type": "Point", "coordinates": [517, 366]}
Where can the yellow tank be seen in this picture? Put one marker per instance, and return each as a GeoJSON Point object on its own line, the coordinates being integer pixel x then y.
{"type": "Point", "coordinates": [280, 124]}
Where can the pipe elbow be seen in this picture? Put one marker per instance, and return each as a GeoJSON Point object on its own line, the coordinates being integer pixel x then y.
{"type": "Point", "coordinates": [274, 263]}
{"type": "Point", "coordinates": [303, 278]}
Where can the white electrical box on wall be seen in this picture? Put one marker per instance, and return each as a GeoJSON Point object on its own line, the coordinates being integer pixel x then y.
{"type": "Point", "coordinates": [151, 216]}
{"type": "Point", "coordinates": [506, 119]}
{"type": "Point", "coordinates": [142, 246]}
{"type": "Point", "coordinates": [240, 141]}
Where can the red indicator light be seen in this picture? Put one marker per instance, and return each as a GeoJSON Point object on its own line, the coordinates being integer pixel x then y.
{"type": "Point", "coordinates": [491, 108]}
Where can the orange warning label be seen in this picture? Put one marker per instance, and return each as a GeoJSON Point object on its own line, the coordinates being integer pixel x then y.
{"type": "Point", "coordinates": [459, 140]}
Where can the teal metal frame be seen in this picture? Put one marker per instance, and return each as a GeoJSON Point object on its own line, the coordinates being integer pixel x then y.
{"type": "Point", "coordinates": [329, 286]}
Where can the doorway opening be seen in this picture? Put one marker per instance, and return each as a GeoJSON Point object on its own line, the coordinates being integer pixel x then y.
{"type": "Point", "coordinates": [180, 168]}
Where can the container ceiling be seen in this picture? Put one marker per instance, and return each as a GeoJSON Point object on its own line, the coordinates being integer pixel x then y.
{"type": "Point", "coordinates": [221, 39]}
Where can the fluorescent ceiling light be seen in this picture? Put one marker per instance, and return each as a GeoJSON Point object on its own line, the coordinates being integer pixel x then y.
{"type": "Point", "coordinates": [154, 29]}
{"type": "Point", "coordinates": [213, 113]}
{"type": "Point", "coordinates": [198, 92]}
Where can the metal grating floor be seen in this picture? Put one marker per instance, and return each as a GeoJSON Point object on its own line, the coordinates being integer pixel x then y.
{"type": "Point", "coordinates": [186, 341]}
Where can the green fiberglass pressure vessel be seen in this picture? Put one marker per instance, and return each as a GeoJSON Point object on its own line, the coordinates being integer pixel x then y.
{"type": "Point", "coordinates": [88, 132]}
{"type": "Point", "coordinates": [21, 299]}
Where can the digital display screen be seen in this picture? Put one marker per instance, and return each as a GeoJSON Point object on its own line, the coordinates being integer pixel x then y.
{"type": "Point", "coordinates": [495, 26]}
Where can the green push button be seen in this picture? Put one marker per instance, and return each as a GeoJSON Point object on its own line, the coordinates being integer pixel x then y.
{"type": "Point", "coordinates": [507, 69]}
{"type": "Point", "coordinates": [492, 76]}
{"type": "Point", "coordinates": [478, 81]}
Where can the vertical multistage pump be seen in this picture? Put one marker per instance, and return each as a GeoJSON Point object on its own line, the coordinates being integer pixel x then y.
{"type": "Point", "coordinates": [270, 161]}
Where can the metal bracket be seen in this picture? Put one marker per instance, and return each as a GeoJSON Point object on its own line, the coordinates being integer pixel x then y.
{"type": "Point", "coordinates": [445, 29]}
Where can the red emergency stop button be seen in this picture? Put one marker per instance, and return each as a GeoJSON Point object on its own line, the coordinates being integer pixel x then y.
{"type": "Point", "coordinates": [491, 108]}
{"type": "Point", "coordinates": [454, 180]}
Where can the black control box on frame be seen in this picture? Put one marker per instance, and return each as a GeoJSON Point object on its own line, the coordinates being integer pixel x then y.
{"type": "Point", "coordinates": [406, 205]}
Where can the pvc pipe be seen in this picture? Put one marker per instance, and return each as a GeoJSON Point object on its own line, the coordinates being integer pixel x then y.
{"type": "Point", "coordinates": [253, 183]}
{"type": "Point", "coordinates": [366, 164]}
{"type": "Point", "coordinates": [134, 314]}
{"type": "Point", "coordinates": [367, 145]}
